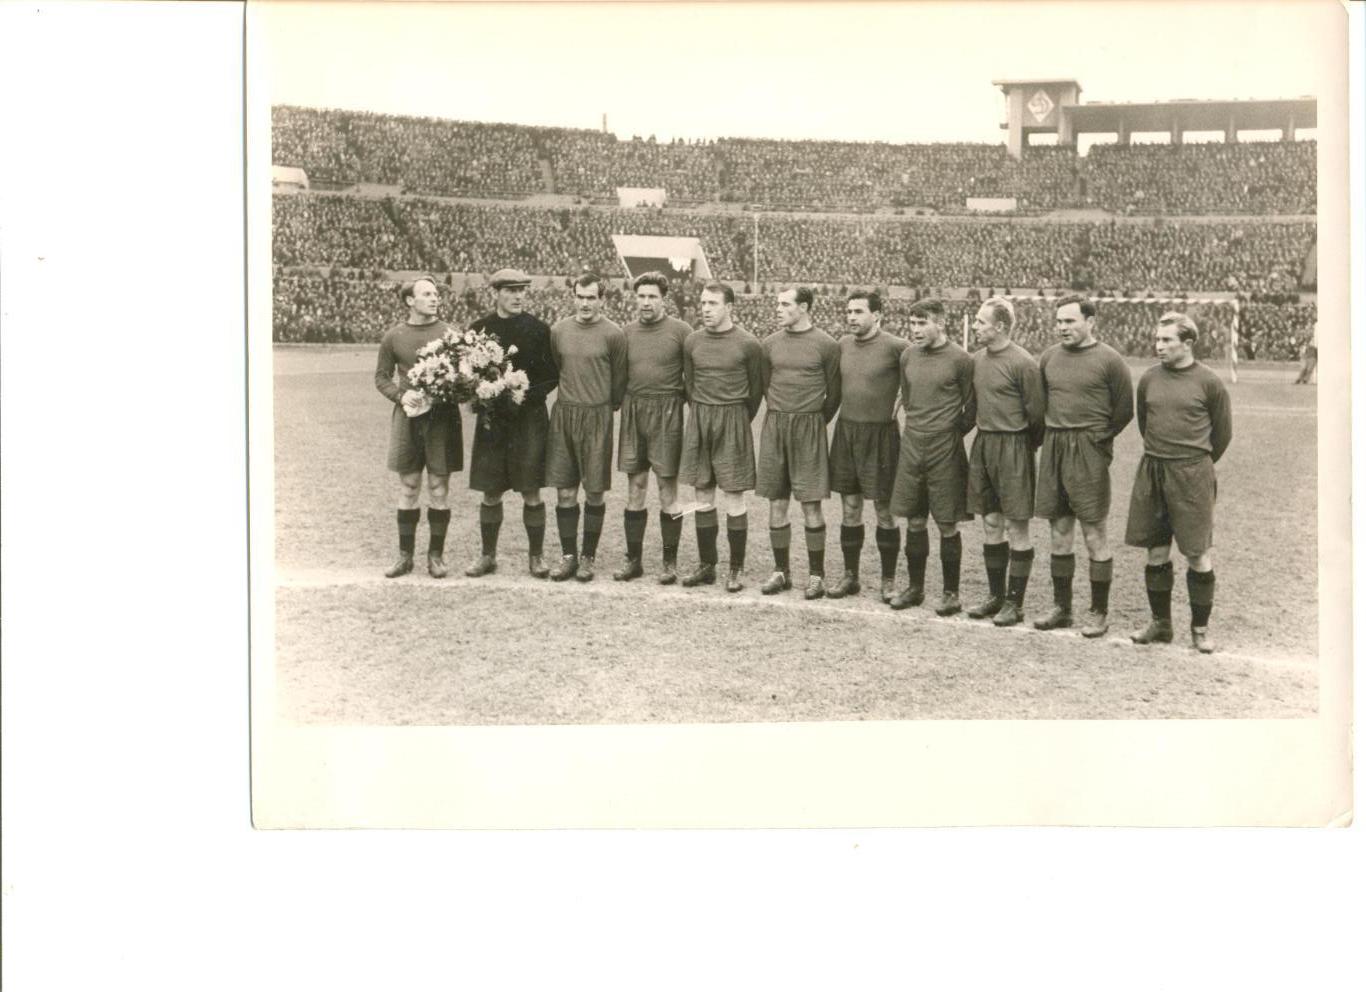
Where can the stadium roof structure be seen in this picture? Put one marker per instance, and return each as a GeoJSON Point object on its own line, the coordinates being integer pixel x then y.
{"type": "Point", "coordinates": [1053, 106]}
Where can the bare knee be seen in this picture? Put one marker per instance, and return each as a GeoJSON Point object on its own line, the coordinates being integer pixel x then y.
{"type": "Point", "coordinates": [567, 497]}
{"type": "Point", "coordinates": [915, 525]}
{"type": "Point", "coordinates": [993, 528]}
{"type": "Point", "coordinates": [734, 504]}
{"type": "Point", "coordinates": [668, 494]}
{"type": "Point", "coordinates": [1097, 544]}
{"type": "Point", "coordinates": [593, 499]}
{"type": "Point", "coordinates": [438, 488]}
{"type": "Point", "coordinates": [946, 530]}
{"type": "Point", "coordinates": [704, 498]}
{"type": "Point", "coordinates": [531, 497]}
{"type": "Point", "coordinates": [777, 512]}
{"type": "Point", "coordinates": [1203, 562]}
{"type": "Point", "coordinates": [1061, 533]}
{"type": "Point", "coordinates": [883, 509]}
{"type": "Point", "coordinates": [1159, 556]}
{"type": "Point", "coordinates": [812, 515]}
{"type": "Point", "coordinates": [636, 488]}
{"type": "Point", "coordinates": [1017, 532]}
{"type": "Point", "coordinates": [409, 484]}
{"type": "Point", "coordinates": [851, 509]}
{"type": "Point", "coordinates": [493, 498]}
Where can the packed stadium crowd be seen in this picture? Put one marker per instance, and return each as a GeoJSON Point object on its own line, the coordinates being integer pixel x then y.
{"type": "Point", "coordinates": [462, 158]}
{"type": "Point", "coordinates": [1265, 177]}
{"type": "Point", "coordinates": [418, 233]}
{"type": "Point", "coordinates": [310, 307]}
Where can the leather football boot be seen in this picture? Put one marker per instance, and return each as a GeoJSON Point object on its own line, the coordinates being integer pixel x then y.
{"type": "Point", "coordinates": [989, 607]}
{"type": "Point", "coordinates": [1157, 632]}
{"type": "Point", "coordinates": [777, 582]}
{"type": "Point", "coordinates": [949, 604]}
{"type": "Point", "coordinates": [436, 566]}
{"type": "Point", "coordinates": [1008, 616]}
{"type": "Point", "coordinates": [703, 575]}
{"type": "Point", "coordinates": [888, 590]}
{"type": "Point", "coordinates": [846, 586]}
{"type": "Point", "coordinates": [569, 564]}
{"type": "Point", "coordinates": [631, 570]}
{"type": "Point", "coordinates": [1056, 619]}
{"type": "Point", "coordinates": [483, 565]}
{"type": "Point", "coordinates": [670, 574]}
{"type": "Point", "coordinates": [815, 588]}
{"type": "Point", "coordinates": [1096, 624]}
{"type": "Point", "coordinates": [403, 566]}
{"type": "Point", "coordinates": [585, 572]}
{"type": "Point", "coordinates": [536, 565]}
{"type": "Point", "coordinates": [735, 582]}
{"type": "Point", "coordinates": [1201, 640]}
{"type": "Point", "coordinates": [910, 596]}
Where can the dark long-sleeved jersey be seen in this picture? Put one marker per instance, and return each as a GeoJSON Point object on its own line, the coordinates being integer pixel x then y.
{"type": "Point", "coordinates": [398, 353]}
{"type": "Point", "coordinates": [1087, 389]}
{"type": "Point", "coordinates": [654, 355]}
{"type": "Point", "coordinates": [937, 390]}
{"type": "Point", "coordinates": [870, 375]}
{"type": "Point", "coordinates": [1183, 413]}
{"type": "Point", "coordinates": [592, 361]}
{"type": "Point", "coordinates": [724, 368]}
{"type": "Point", "coordinates": [1009, 391]}
{"type": "Point", "coordinates": [802, 372]}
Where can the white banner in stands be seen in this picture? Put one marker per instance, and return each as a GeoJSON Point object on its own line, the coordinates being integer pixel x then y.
{"type": "Point", "coordinates": [641, 196]}
{"type": "Point", "coordinates": [991, 204]}
{"type": "Point", "coordinates": [676, 256]}
{"type": "Point", "coordinates": [288, 175]}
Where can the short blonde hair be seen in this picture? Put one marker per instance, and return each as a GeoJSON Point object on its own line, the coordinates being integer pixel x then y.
{"type": "Point", "coordinates": [1185, 327]}
{"type": "Point", "coordinates": [1002, 311]}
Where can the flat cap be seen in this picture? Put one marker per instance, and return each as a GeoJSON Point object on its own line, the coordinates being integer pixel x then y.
{"type": "Point", "coordinates": [509, 279]}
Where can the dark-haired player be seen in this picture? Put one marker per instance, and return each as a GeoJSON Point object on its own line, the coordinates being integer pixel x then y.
{"type": "Point", "coordinates": [590, 351]}
{"type": "Point", "coordinates": [652, 420]}
{"type": "Point", "coordinates": [1088, 396]}
{"type": "Point", "coordinates": [865, 445]}
{"type": "Point", "coordinates": [932, 470]}
{"type": "Point", "coordinates": [1185, 418]}
{"type": "Point", "coordinates": [1001, 466]}
{"type": "Point", "coordinates": [419, 439]}
{"type": "Point", "coordinates": [509, 451]}
{"type": "Point", "coordinates": [723, 378]}
{"type": "Point", "coordinates": [802, 393]}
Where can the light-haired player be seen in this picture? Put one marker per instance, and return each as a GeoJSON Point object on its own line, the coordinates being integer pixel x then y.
{"type": "Point", "coordinates": [419, 439]}
{"type": "Point", "coordinates": [723, 378]}
{"type": "Point", "coordinates": [1185, 417]}
{"type": "Point", "coordinates": [1001, 476]}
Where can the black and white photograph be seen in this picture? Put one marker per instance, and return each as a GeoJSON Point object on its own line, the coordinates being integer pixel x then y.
{"type": "Point", "coordinates": [714, 368]}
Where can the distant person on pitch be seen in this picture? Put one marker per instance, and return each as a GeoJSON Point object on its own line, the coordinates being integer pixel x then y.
{"type": "Point", "coordinates": [652, 421]}
{"type": "Point", "coordinates": [420, 436]}
{"type": "Point", "coordinates": [1311, 359]}
{"type": "Point", "coordinates": [509, 450]}
{"type": "Point", "coordinates": [865, 446]}
{"type": "Point", "coordinates": [1185, 417]}
{"type": "Point", "coordinates": [590, 351]}
{"type": "Point", "coordinates": [723, 380]}
{"type": "Point", "coordinates": [1088, 401]}
{"type": "Point", "coordinates": [1001, 477]}
{"type": "Point", "coordinates": [802, 392]}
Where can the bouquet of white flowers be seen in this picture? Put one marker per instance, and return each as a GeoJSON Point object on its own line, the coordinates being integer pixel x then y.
{"type": "Point", "coordinates": [466, 367]}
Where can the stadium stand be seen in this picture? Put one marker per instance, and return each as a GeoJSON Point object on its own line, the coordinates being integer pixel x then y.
{"type": "Point", "coordinates": [463, 158]}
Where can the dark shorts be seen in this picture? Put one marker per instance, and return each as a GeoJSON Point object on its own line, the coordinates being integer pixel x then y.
{"type": "Point", "coordinates": [511, 454]}
{"type": "Point", "coordinates": [579, 450]}
{"type": "Point", "coordinates": [863, 459]}
{"type": "Point", "coordinates": [794, 457]}
{"type": "Point", "coordinates": [651, 435]}
{"type": "Point", "coordinates": [1074, 476]}
{"type": "Point", "coordinates": [434, 441]}
{"type": "Point", "coordinates": [932, 477]}
{"type": "Point", "coordinates": [1001, 475]}
{"type": "Point", "coordinates": [1173, 499]}
{"type": "Point", "coordinates": [718, 448]}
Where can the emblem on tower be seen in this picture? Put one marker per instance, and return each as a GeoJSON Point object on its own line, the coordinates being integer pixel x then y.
{"type": "Point", "coordinates": [1039, 105]}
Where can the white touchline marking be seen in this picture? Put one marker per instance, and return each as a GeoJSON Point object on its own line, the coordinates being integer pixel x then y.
{"type": "Point", "coordinates": [862, 607]}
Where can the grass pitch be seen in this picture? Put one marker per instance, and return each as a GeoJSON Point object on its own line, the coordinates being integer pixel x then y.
{"type": "Point", "coordinates": [354, 648]}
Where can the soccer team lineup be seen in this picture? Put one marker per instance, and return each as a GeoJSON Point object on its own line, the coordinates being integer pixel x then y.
{"type": "Point", "coordinates": [914, 434]}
